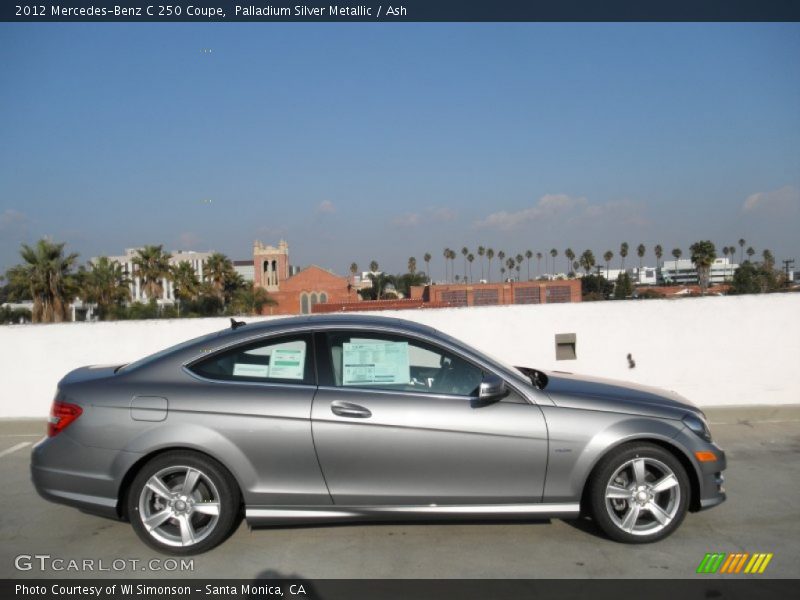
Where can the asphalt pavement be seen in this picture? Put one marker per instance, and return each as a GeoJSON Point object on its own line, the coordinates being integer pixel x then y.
{"type": "Point", "coordinates": [762, 514]}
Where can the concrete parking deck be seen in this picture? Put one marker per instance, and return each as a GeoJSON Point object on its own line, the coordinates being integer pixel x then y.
{"type": "Point", "coordinates": [762, 514]}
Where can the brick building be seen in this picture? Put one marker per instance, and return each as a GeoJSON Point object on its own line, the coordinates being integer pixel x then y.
{"type": "Point", "coordinates": [493, 294]}
{"type": "Point", "coordinates": [295, 291]}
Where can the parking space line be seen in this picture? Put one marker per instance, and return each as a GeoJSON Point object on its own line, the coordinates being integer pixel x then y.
{"type": "Point", "coordinates": [13, 449]}
{"type": "Point", "coordinates": [5, 435]}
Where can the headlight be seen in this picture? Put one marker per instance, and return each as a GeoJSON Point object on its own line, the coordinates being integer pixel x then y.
{"type": "Point", "coordinates": [698, 425]}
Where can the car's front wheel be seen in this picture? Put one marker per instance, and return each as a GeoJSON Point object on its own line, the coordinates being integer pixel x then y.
{"type": "Point", "coordinates": [639, 493]}
{"type": "Point", "coordinates": [183, 503]}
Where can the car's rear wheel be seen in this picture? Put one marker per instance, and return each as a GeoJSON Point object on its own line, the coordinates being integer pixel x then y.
{"type": "Point", "coordinates": [183, 503]}
{"type": "Point", "coordinates": [639, 493]}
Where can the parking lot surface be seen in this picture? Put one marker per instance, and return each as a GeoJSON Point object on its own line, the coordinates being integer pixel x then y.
{"type": "Point", "coordinates": [762, 514]}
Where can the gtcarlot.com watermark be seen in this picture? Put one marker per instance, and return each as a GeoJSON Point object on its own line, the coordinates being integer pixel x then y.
{"type": "Point", "coordinates": [47, 562]}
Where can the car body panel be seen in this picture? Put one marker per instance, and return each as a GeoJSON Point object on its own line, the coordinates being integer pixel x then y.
{"type": "Point", "coordinates": [417, 449]}
{"type": "Point", "coordinates": [417, 455]}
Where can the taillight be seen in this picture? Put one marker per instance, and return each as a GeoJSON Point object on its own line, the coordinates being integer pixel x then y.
{"type": "Point", "coordinates": [61, 415]}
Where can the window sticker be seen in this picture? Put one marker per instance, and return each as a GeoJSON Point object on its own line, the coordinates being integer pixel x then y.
{"type": "Point", "coordinates": [375, 363]}
{"type": "Point", "coordinates": [287, 363]}
{"type": "Point", "coordinates": [250, 370]}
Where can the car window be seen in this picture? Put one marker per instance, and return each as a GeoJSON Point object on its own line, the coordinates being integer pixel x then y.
{"type": "Point", "coordinates": [285, 360]}
{"type": "Point", "coordinates": [391, 362]}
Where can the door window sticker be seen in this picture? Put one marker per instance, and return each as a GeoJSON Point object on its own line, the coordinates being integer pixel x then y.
{"type": "Point", "coordinates": [372, 362]}
{"type": "Point", "coordinates": [287, 363]}
{"type": "Point", "coordinates": [250, 370]}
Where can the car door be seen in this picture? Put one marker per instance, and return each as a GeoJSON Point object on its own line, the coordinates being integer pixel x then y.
{"type": "Point", "coordinates": [395, 422]}
{"type": "Point", "coordinates": [256, 399]}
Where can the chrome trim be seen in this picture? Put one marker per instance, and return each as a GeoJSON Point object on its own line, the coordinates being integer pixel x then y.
{"type": "Point", "coordinates": [287, 514]}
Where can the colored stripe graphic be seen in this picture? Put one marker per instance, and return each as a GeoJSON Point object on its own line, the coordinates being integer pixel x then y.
{"type": "Point", "coordinates": [733, 563]}
{"type": "Point", "coordinates": [711, 562]}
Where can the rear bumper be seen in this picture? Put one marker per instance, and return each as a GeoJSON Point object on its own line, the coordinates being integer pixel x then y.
{"type": "Point", "coordinates": [89, 479]}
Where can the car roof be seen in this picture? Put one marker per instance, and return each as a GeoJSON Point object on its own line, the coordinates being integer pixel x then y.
{"type": "Point", "coordinates": [334, 320]}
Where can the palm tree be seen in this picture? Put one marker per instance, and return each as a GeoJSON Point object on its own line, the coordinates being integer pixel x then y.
{"type": "Point", "coordinates": [502, 273]}
{"type": "Point", "coordinates": [464, 252]}
{"type": "Point", "coordinates": [219, 273]}
{"type": "Point", "coordinates": [353, 270]}
{"type": "Point", "coordinates": [640, 251]}
{"type": "Point", "coordinates": [528, 257]}
{"type": "Point", "coordinates": [446, 255]}
{"type": "Point", "coordinates": [412, 265]}
{"type": "Point", "coordinates": [769, 259]}
{"type": "Point", "coordinates": [741, 252]}
{"type": "Point", "coordinates": [452, 262]}
{"type": "Point", "coordinates": [151, 266]}
{"type": "Point", "coordinates": [703, 254]}
{"type": "Point", "coordinates": [750, 253]}
{"type": "Point", "coordinates": [187, 285]}
{"type": "Point", "coordinates": [607, 257]}
{"type": "Point", "coordinates": [554, 253]}
{"type": "Point", "coordinates": [510, 264]}
{"type": "Point", "coordinates": [570, 257]}
{"type": "Point", "coordinates": [106, 285]}
{"type": "Point", "coordinates": [587, 261]}
{"type": "Point", "coordinates": [250, 300]}
{"type": "Point", "coordinates": [427, 258]}
{"type": "Point", "coordinates": [470, 258]}
{"type": "Point", "coordinates": [539, 257]}
{"type": "Point", "coordinates": [489, 256]}
{"type": "Point", "coordinates": [481, 253]}
{"type": "Point", "coordinates": [46, 278]}
{"type": "Point", "coordinates": [659, 252]}
{"type": "Point", "coordinates": [623, 252]}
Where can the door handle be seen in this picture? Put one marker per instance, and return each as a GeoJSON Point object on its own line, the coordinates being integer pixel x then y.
{"type": "Point", "coordinates": [348, 409]}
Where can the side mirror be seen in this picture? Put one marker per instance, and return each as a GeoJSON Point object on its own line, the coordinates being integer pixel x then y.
{"type": "Point", "coordinates": [492, 389]}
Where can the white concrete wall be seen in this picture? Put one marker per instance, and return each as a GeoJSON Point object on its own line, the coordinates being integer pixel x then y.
{"type": "Point", "coordinates": [716, 351]}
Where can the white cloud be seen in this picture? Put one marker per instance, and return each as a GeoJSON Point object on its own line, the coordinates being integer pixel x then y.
{"type": "Point", "coordinates": [11, 219]}
{"type": "Point", "coordinates": [188, 241]}
{"type": "Point", "coordinates": [548, 206]}
{"type": "Point", "coordinates": [781, 201]}
{"type": "Point", "coordinates": [432, 214]}
{"type": "Point", "coordinates": [326, 207]}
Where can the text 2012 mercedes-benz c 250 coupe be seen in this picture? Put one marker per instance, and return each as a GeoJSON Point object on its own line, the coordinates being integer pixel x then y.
{"type": "Point", "coordinates": [355, 418]}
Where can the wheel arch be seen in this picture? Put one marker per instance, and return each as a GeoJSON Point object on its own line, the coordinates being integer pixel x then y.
{"type": "Point", "coordinates": [135, 468]}
{"type": "Point", "coordinates": [670, 446]}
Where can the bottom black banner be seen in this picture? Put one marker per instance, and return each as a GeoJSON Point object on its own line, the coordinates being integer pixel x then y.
{"type": "Point", "coordinates": [711, 588]}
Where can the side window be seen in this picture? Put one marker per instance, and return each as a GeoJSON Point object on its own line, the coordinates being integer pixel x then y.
{"type": "Point", "coordinates": [389, 362]}
{"type": "Point", "coordinates": [278, 360]}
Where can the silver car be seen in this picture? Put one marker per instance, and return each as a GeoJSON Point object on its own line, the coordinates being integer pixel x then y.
{"type": "Point", "coordinates": [347, 418]}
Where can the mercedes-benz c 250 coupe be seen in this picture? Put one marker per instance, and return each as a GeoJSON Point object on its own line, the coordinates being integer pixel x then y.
{"type": "Point", "coordinates": [345, 418]}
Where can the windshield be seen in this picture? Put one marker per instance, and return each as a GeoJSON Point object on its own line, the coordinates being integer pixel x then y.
{"type": "Point", "coordinates": [176, 348]}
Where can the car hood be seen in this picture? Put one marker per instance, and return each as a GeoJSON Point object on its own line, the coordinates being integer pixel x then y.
{"type": "Point", "coordinates": [595, 393]}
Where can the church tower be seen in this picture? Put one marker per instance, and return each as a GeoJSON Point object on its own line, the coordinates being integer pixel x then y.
{"type": "Point", "coordinates": [270, 265]}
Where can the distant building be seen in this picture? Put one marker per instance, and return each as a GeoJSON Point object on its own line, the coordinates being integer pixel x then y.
{"type": "Point", "coordinates": [492, 294]}
{"type": "Point", "coordinates": [245, 269]}
{"type": "Point", "coordinates": [196, 259]}
{"type": "Point", "coordinates": [296, 291]}
{"type": "Point", "coordinates": [684, 272]}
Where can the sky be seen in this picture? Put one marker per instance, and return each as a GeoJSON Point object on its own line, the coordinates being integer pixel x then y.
{"type": "Point", "coordinates": [360, 142]}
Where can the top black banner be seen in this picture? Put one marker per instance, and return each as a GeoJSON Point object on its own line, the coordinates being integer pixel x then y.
{"type": "Point", "coordinates": [403, 10]}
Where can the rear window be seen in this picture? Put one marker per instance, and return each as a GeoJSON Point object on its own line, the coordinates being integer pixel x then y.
{"type": "Point", "coordinates": [277, 360]}
{"type": "Point", "coordinates": [167, 351]}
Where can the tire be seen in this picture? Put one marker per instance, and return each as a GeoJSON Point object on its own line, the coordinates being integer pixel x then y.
{"type": "Point", "coordinates": [183, 520]}
{"type": "Point", "coordinates": [639, 493]}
